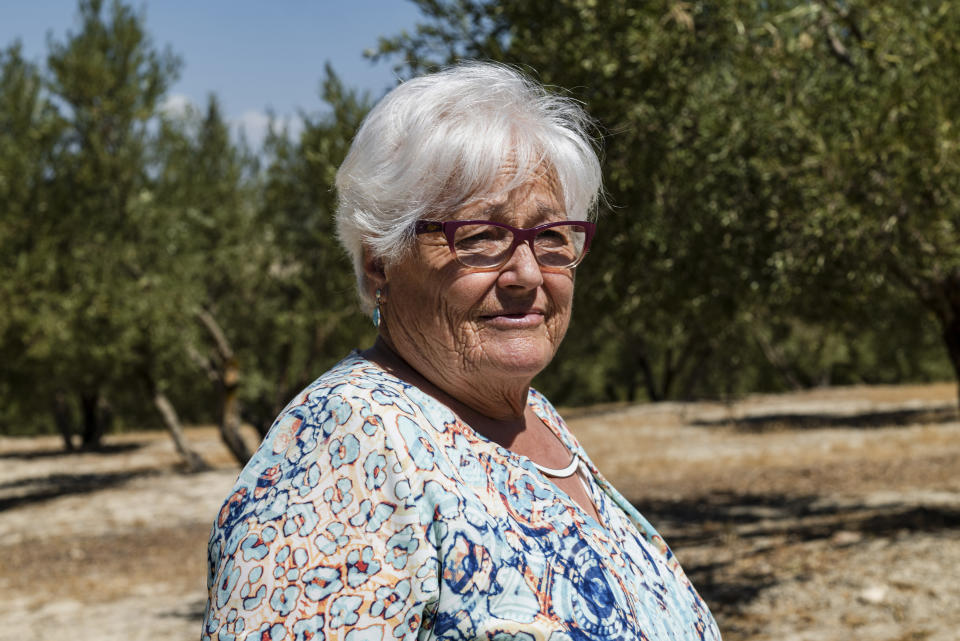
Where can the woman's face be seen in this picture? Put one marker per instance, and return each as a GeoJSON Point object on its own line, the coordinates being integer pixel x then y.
{"type": "Point", "coordinates": [454, 323]}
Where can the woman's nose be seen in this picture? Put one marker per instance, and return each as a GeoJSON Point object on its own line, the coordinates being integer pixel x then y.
{"type": "Point", "coordinates": [522, 270]}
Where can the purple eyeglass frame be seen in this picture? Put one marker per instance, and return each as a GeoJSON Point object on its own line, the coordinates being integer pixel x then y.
{"type": "Point", "coordinates": [520, 235]}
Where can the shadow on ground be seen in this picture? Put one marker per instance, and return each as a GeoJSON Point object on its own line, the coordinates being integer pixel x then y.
{"type": "Point", "coordinates": [193, 611]}
{"type": "Point", "coordinates": [31, 455]}
{"type": "Point", "coordinates": [27, 491]}
{"type": "Point", "coordinates": [760, 523]}
{"type": "Point", "coordinates": [867, 420]}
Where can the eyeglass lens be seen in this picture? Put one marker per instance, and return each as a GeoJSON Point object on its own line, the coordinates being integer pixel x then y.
{"type": "Point", "coordinates": [488, 245]}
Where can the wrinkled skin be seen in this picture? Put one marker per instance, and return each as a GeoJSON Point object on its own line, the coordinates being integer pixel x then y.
{"type": "Point", "coordinates": [480, 336]}
{"type": "Point", "coordinates": [475, 339]}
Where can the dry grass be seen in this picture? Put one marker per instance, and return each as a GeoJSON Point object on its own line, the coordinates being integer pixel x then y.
{"type": "Point", "coordinates": [830, 515]}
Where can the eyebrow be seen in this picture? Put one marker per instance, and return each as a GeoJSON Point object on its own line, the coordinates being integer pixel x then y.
{"type": "Point", "coordinates": [543, 209]}
{"type": "Point", "coordinates": [546, 210]}
{"type": "Point", "coordinates": [494, 210]}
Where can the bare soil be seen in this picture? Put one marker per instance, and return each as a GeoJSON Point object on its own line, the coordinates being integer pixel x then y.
{"type": "Point", "coordinates": [831, 515]}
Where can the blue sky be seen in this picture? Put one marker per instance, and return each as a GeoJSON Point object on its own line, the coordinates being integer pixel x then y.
{"type": "Point", "coordinates": [254, 54]}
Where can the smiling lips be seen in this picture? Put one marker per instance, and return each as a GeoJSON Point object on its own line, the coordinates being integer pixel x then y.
{"type": "Point", "coordinates": [514, 320]}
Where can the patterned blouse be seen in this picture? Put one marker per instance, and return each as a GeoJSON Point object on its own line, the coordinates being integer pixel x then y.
{"type": "Point", "coordinates": [370, 511]}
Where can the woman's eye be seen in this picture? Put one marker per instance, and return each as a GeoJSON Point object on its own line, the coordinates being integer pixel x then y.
{"type": "Point", "coordinates": [478, 237]}
{"type": "Point", "coordinates": [551, 237]}
{"type": "Point", "coordinates": [473, 240]}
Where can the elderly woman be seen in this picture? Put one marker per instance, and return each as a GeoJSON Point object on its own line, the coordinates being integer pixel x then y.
{"type": "Point", "coordinates": [421, 489]}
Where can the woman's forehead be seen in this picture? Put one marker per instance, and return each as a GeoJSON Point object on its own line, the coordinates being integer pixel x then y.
{"type": "Point", "coordinates": [540, 198]}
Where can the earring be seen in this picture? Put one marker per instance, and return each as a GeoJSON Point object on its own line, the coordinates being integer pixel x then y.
{"type": "Point", "coordinates": [376, 310]}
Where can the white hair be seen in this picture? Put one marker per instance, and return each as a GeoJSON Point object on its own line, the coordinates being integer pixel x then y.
{"type": "Point", "coordinates": [440, 141]}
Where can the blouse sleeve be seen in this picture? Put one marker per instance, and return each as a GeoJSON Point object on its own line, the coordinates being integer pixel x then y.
{"type": "Point", "coordinates": [322, 538]}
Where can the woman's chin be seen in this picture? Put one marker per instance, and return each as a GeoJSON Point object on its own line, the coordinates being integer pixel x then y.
{"type": "Point", "coordinates": [518, 358]}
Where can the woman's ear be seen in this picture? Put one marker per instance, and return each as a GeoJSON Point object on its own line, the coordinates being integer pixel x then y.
{"type": "Point", "coordinates": [374, 272]}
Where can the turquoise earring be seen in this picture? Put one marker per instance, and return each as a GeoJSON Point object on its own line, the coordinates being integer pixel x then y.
{"type": "Point", "coordinates": [376, 310]}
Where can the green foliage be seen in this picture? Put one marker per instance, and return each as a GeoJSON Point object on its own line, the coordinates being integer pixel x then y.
{"type": "Point", "coordinates": [308, 317]}
{"type": "Point", "coordinates": [871, 113]}
{"type": "Point", "coordinates": [782, 186]}
{"type": "Point", "coordinates": [141, 248]}
{"type": "Point", "coordinates": [29, 133]}
{"type": "Point", "coordinates": [777, 172]}
{"type": "Point", "coordinates": [201, 209]}
{"type": "Point", "coordinates": [75, 227]}
{"type": "Point", "coordinates": [109, 80]}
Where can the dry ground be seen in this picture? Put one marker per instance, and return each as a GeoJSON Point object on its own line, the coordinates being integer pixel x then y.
{"type": "Point", "coordinates": [831, 515]}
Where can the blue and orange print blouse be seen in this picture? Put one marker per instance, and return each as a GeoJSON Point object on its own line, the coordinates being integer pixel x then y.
{"type": "Point", "coordinates": [370, 511]}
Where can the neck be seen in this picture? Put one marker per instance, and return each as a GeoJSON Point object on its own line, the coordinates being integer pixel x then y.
{"type": "Point", "coordinates": [490, 407]}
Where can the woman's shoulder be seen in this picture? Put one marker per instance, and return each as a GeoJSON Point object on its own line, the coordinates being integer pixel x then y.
{"type": "Point", "coordinates": [353, 390]}
{"type": "Point", "coordinates": [354, 385]}
{"type": "Point", "coordinates": [354, 406]}
{"type": "Point", "coordinates": [352, 378]}
{"type": "Point", "coordinates": [333, 425]}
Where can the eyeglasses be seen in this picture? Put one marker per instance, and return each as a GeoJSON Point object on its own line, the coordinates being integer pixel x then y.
{"type": "Point", "coordinates": [484, 244]}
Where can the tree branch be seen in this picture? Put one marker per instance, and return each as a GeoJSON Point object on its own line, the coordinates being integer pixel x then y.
{"type": "Point", "coordinates": [211, 325]}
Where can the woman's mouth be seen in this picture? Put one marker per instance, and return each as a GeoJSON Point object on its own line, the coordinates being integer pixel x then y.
{"type": "Point", "coordinates": [513, 320]}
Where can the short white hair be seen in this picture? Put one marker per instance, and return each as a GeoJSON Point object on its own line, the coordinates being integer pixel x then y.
{"type": "Point", "coordinates": [438, 142]}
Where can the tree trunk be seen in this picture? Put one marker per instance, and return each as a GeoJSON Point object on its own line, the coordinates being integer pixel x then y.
{"type": "Point", "coordinates": [777, 360]}
{"type": "Point", "coordinates": [63, 418]}
{"type": "Point", "coordinates": [168, 413]}
{"type": "Point", "coordinates": [630, 383]}
{"type": "Point", "coordinates": [668, 373]}
{"type": "Point", "coordinates": [951, 336]}
{"type": "Point", "coordinates": [945, 303]}
{"type": "Point", "coordinates": [697, 370]}
{"type": "Point", "coordinates": [93, 426]}
{"type": "Point", "coordinates": [229, 378]}
{"type": "Point", "coordinates": [171, 420]}
{"type": "Point", "coordinates": [230, 412]}
{"type": "Point", "coordinates": [632, 358]}
{"type": "Point", "coordinates": [649, 379]}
